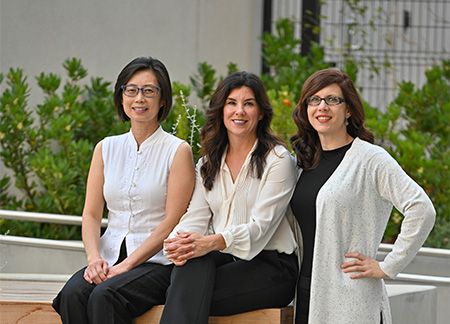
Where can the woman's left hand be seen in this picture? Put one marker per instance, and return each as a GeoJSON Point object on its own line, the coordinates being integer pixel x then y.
{"type": "Point", "coordinates": [190, 245]}
{"type": "Point", "coordinates": [117, 270]}
{"type": "Point", "coordinates": [364, 266]}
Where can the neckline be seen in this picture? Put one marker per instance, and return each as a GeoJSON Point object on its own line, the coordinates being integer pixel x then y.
{"type": "Point", "coordinates": [337, 150]}
{"type": "Point", "coordinates": [147, 141]}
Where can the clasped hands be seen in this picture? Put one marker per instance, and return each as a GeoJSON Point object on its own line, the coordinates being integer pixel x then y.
{"type": "Point", "coordinates": [98, 271]}
{"type": "Point", "coordinates": [185, 246]}
{"type": "Point", "coordinates": [363, 266]}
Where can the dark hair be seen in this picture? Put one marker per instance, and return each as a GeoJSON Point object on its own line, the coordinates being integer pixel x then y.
{"type": "Point", "coordinates": [305, 142]}
{"type": "Point", "coordinates": [160, 71]}
{"type": "Point", "coordinates": [214, 137]}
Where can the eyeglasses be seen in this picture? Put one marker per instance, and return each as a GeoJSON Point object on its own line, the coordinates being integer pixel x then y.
{"type": "Point", "coordinates": [132, 91]}
{"type": "Point", "coordinates": [330, 101]}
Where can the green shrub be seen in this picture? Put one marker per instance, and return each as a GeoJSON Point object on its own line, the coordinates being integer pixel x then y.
{"type": "Point", "coordinates": [288, 69]}
{"type": "Point", "coordinates": [415, 129]}
{"type": "Point", "coordinates": [49, 148]}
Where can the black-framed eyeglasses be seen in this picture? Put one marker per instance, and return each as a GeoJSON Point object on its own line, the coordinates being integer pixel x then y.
{"type": "Point", "coordinates": [147, 91]}
{"type": "Point", "coordinates": [330, 101]}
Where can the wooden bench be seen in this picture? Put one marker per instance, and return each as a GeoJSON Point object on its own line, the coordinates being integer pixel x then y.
{"type": "Point", "coordinates": [30, 303]}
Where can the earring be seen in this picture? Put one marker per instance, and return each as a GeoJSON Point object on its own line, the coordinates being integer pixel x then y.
{"type": "Point", "coordinates": [346, 122]}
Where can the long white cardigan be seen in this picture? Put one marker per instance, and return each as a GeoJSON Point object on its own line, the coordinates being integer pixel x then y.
{"type": "Point", "coordinates": [353, 208]}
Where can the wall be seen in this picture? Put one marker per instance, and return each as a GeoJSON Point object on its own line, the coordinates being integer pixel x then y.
{"type": "Point", "coordinates": [38, 36]}
{"type": "Point", "coordinates": [107, 34]}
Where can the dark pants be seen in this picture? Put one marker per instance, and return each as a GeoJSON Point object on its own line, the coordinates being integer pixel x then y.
{"type": "Point", "coordinates": [217, 284]}
{"type": "Point", "coordinates": [116, 300]}
{"type": "Point", "coordinates": [303, 294]}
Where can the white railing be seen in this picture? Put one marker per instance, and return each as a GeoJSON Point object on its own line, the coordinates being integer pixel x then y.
{"type": "Point", "coordinates": [78, 245]}
{"type": "Point", "coordinates": [426, 251]}
{"type": "Point", "coordinates": [422, 279]}
{"type": "Point", "coordinates": [45, 243]}
{"type": "Point", "coordinates": [44, 218]}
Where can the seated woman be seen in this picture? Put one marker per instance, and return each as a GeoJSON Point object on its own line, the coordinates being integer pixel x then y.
{"type": "Point", "coordinates": [146, 178]}
{"type": "Point", "coordinates": [234, 249]}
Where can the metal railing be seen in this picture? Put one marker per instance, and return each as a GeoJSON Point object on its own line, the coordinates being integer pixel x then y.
{"type": "Point", "coordinates": [426, 251]}
{"type": "Point", "coordinates": [44, 218]}
{"type": "Point", "coordinates": [44, 243]}
{"type": "Point", "coordinates": [78, 245]}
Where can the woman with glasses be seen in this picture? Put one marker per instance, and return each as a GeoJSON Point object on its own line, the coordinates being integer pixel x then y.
{"type": "Point", "coordinates": [342, 202]}
{"type": "Point", "coordinates": [234, 249]}
{"type": "Point", "coordinates": [146, 178]}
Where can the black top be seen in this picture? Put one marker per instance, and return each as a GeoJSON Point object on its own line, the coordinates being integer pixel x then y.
{"type": "Point", "coordinates": [303, 202]}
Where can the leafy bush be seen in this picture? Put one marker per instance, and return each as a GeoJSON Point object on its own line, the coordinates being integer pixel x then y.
{"type": "Point", "coordinates": [415, 130]}
{"type": "Point", "coordinates": [288, 70]}
{"type": "Point", "coordinates": [49, 148]}
{"type": "Point", "coordinates": [50, 155]}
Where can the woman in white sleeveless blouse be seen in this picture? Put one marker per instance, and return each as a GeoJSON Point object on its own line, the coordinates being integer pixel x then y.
{"type": "Point", "coordinates": [146, 178]}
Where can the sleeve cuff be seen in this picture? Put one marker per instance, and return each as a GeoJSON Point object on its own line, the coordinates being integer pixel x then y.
{"type": "Point", "coordinates": [229, 239]}
{"type": "Point", "coordinates": [389, 272]}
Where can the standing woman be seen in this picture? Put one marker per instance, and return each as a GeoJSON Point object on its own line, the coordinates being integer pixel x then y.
{"type": "Point", "coordinates": [146, 178]}
{"type": "Point", "coordinates": [342, 202]}
{"type": "Point", "coordinates": [244, 183]}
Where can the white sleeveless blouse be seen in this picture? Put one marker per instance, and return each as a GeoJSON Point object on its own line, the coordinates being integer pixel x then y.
{"type": "Point", "coordinates": [135, 190]}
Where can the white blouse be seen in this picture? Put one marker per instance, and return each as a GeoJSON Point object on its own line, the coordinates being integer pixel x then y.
{"type": "Point", "coordinates": [135, 190]}
{"type": "Point", "coordinates": [249, 213]}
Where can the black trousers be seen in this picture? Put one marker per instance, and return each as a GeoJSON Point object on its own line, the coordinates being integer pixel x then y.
{"type": "Point", "coordinates": [116, 300]}
{"type": "Point", "coordinates": [303, 296]}
{"type": "Point", "coordinates": [218, 284]}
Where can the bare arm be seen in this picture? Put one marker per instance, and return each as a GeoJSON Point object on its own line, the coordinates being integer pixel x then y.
{"type": "Point", "coordinates": [92, 217]}
{"type": "Point", "coordinates": [179, 190]}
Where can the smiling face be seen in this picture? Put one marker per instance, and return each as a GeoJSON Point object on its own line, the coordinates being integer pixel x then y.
{"type": "Point", "coordinates": [241, 113]}
{"type": "Point", "coordinates": [140, 108]}
{"type": "Point", "coordinates": [329, 121]}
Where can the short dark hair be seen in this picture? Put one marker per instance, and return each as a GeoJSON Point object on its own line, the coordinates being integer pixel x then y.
{"type": "Point", "coordinates": [305, 142]}
{"type": "Point", "coordinates": [160, 71]}
{"type": "Point", "coordinates": [214, 136]}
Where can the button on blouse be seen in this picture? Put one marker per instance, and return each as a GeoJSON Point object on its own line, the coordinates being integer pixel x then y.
{"type": "Point", "coordinates": [135, 190]}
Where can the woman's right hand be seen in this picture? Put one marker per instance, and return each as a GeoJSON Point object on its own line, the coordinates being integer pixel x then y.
{"type": "Point", "coordinates": [96, 271]}
{"type": "Point", "coordinates": [178, 248]}
{"type": "Point", "coordinates": [189, 245]}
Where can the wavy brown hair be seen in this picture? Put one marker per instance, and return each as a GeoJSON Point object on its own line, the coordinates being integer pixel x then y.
{"type": "Point", "coordinates": [214, 138]}
{"type": "Point", "coordinates": [305, 141]}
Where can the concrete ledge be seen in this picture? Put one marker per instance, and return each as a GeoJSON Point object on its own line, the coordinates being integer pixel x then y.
{"type": "Point", "coordinates": [32, 312]}
{"type": "Point", "coordinates": [29, 302]}
{"type": "Point", "coordinates": [413, 304]}
{"type": "Point", "coordinates": [262, 316]}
